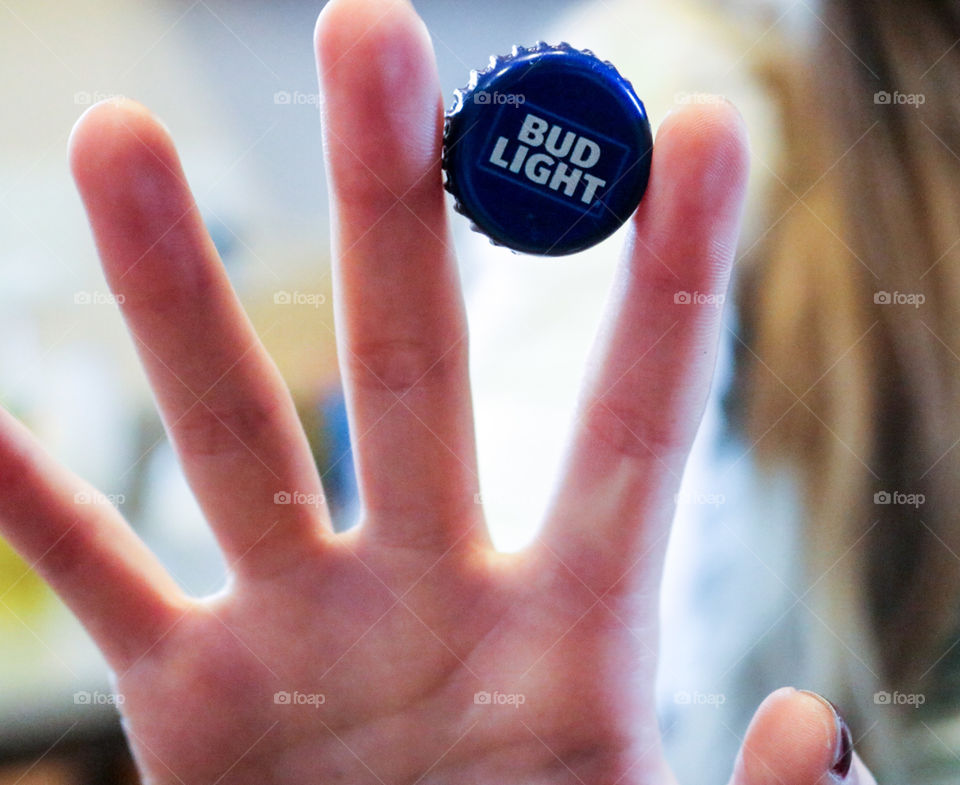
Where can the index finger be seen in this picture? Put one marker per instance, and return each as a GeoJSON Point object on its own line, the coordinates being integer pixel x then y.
{"type": "Point", "coordinates": [652, 363]}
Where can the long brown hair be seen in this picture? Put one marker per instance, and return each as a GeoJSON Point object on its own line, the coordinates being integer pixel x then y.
{"type": "Point", "coordinates": [849, 366]}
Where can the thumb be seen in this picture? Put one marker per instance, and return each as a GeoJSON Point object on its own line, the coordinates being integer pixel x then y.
{"type": "Point", "coordinates": [798, 738]}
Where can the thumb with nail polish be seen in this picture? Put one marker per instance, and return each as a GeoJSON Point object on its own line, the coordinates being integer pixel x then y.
{"type": "Point", "coordinates": [798, 737]}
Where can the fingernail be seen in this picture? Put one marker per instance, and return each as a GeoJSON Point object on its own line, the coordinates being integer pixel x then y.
{"type": "Point", "coordinates": [844, 756]}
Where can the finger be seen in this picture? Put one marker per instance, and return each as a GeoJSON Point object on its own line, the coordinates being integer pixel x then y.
{"type": "Point", "coordinates": [78, 542]}
{"type": "Point", "coordinates": [651, 365]}
{"type": "Point", "coordinates": [401, 329]}
{"type": "Point", "coordinates": [222, 399]}
{"type": "Point", "coordinates": [798, 738]}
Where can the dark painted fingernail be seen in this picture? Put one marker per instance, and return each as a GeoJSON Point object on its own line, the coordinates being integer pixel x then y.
{"type": "Point", "coordinates": [844, 759]}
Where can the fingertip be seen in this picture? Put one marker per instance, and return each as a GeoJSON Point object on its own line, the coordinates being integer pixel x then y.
{"type": "Point", "coordinates": [117, 136]}
{"type": "Point", "coordinates": [695, 197]}
{"type": "Point", "coordinates": [795, 738]}
{"type": "Point", "coordinates": [358, 30]}
{"type": "Point", "coordinates": [134, 191]}
{"type": "Point", "coordinates": [710, 127]}
{"type": "Point", "coordinates": [702, 157]}
{"type": "Point", "coordinates": [381, 109]}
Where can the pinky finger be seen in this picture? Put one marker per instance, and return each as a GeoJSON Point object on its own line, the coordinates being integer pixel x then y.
{"type": "Point", "coordinates": [82, 547]}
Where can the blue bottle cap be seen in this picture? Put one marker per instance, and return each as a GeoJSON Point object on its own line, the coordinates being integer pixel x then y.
{"type": "Point", "coordinates": [547, 151]}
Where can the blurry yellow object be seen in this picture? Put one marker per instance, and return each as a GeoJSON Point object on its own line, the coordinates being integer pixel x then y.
{"type": "Point", "coordinates": [22, 591]}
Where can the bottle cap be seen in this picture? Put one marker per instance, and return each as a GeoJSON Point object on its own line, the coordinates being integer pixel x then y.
{"type": "Point", "coordinates": [547, 151]}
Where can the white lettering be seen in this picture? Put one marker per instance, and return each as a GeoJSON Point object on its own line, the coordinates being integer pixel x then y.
{"type": "Point", "coordinates": [496, 157]}
{"type": "Point", "coordinates": [569, 181]}
{"type": "Point", "coordinates": [560, 152]}
{"type": "Point", "coordinates": [518, 157]}
{"type": "Point", "coordinates": [538, 175]}
{"type": "Point", "coordinates": [591, 184]}
{"type": "Point", "coordinates": [561, 167]}
{"type": "Point", "coordinates": [584, 145]}
{"type": "Point", "coordinates": [532, 131]}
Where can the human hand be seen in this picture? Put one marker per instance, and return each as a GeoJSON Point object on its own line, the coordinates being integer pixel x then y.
{"type": "Point", "coordinates": [384, 636]}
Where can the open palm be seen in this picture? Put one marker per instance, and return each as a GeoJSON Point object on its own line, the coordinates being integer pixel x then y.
{"type": "Point", "coordinates": [406, 650]}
